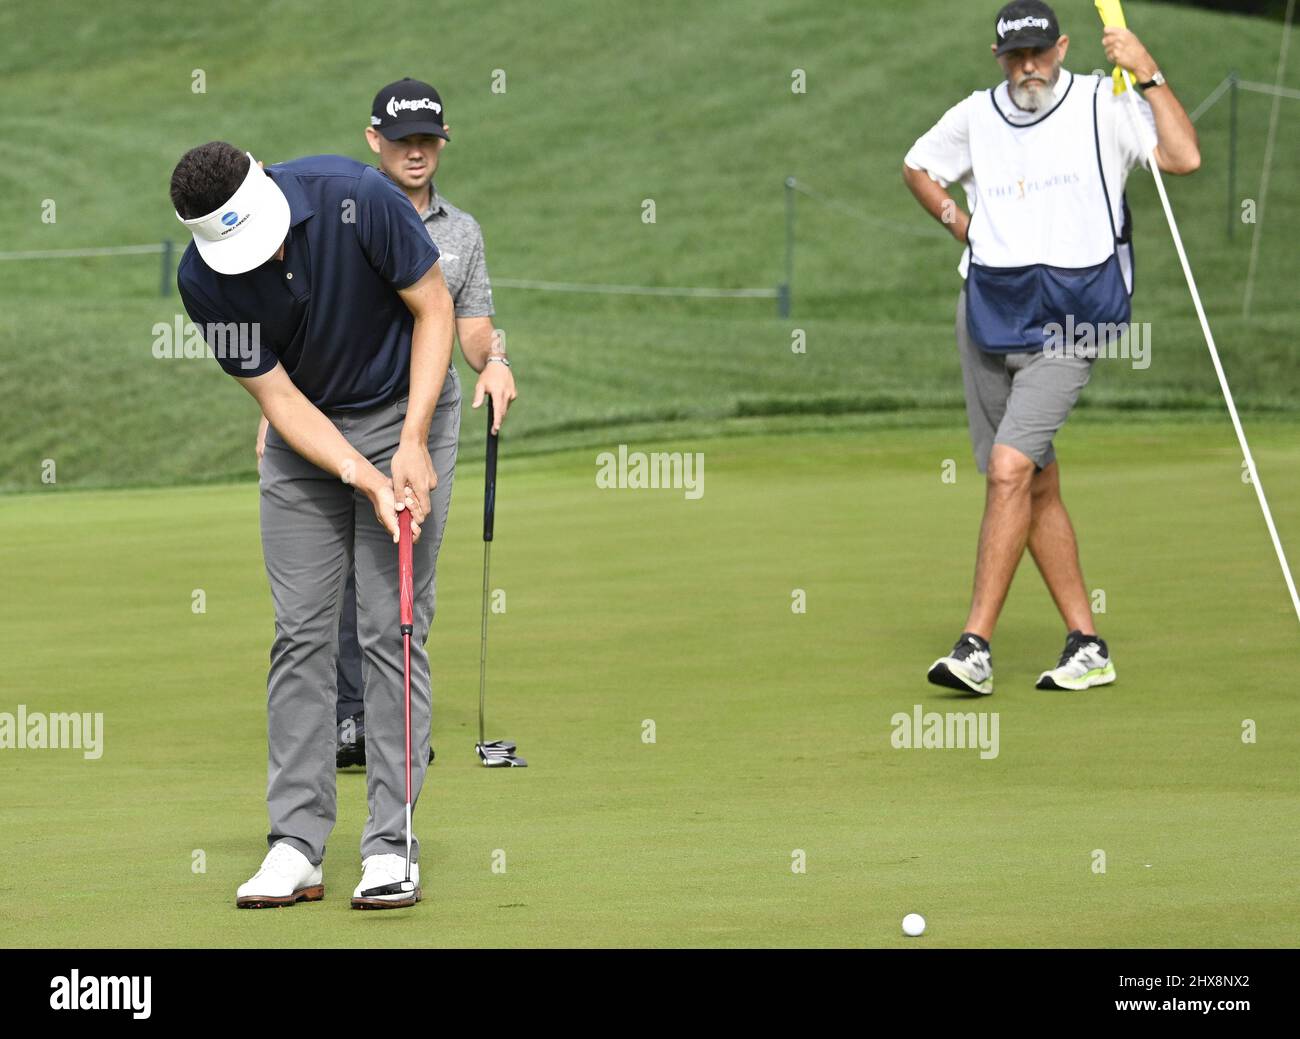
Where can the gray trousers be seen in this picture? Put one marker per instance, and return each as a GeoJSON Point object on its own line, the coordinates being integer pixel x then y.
{"type": "Point", "coordinates": [315, 531]}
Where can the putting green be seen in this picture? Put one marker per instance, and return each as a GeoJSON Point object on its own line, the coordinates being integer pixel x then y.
{"type": "Point", "coordinates": [772, 728]}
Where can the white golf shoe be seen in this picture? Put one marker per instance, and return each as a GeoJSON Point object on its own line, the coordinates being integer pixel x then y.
{"type": "Point", "coordinates": [378, 871]}
{"type": "Point", "coordinates": [286, 877]}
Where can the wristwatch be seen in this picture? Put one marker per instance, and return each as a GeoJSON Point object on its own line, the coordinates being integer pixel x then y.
{"type": "Point", "coordinates": [499, 360]}
{"type": "Point", "coordinates": [1158, 80]}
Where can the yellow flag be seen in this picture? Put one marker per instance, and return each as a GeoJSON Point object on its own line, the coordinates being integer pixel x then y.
{"type": "Point", "coordinates": [1112, 16]}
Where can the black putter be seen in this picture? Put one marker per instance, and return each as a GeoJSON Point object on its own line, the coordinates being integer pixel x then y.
{"type": "Point", "coordinates": [493, 753]}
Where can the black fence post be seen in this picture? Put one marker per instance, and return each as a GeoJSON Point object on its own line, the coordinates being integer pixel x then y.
{"type": "Point", "coordinates": [785, 292]}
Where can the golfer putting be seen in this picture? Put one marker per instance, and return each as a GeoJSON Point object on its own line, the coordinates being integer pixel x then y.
{"type": "Point", "coordinates": [328, 261]}
{"type": "Point", "coordinates": [1043, 159]}
{"type": "Point", "coordinates": [407, 133]}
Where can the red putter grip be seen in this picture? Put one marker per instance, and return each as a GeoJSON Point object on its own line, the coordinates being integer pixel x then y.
{"type": "Point", "coordinates": [405, 575]}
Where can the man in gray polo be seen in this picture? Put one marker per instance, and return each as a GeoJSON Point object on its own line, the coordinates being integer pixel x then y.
{"type": "Point", "coordinates": [408, 131]}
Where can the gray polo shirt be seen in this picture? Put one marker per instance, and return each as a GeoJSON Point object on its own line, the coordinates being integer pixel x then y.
{"type": "Point", "coordinates": [460, 243]}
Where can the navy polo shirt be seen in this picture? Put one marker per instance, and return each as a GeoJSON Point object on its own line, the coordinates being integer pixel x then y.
{"type": "Point", "coordinates": [329, 312]}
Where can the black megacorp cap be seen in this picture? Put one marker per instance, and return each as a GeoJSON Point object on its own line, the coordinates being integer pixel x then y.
{"type": "Point", "coordinates": [1026, 23]}
{"type": "Point", "coordinates": [408, 107]}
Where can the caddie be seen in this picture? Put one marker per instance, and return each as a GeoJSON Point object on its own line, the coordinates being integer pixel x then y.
{"type": "Point", "coordinates": [1042, 159]}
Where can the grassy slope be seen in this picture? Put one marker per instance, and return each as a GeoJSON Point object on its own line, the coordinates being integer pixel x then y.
{"type": "Point", "coordinates": [772, 728]}
{"type": "Point", "coordinates": [605, 105]}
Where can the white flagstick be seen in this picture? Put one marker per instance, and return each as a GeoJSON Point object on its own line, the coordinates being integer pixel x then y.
{"type": "Point", "coordinates": [1214, 353]}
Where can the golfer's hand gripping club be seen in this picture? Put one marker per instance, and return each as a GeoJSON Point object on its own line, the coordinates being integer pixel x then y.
{"type": "Point", "coordinates": [405, 572]}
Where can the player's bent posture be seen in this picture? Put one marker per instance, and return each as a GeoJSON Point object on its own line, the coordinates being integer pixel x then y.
{"type": "Point", "coordinates": [1042, 159]}
{"type": "Point", "coordinates": [408, 130]}
{"type": "Point", "coordinates": [329, 260]}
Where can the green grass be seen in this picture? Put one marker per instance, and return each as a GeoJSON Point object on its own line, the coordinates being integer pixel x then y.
{"type": "Point", "coordinates": [822, 474]}
{"type": "Point", "coordinates": [772, 728]}
{"type": "Point", "coordinates": [605, 105]}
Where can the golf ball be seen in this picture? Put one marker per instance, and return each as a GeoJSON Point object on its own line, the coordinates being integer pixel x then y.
{"type": "Point", "coordinates": [913, 925]}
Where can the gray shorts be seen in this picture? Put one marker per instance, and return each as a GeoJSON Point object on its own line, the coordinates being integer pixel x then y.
{"type": "Point", "coordinates": [1018, 399]}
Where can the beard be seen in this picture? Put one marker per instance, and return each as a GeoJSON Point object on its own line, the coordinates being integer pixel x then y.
{"type": "Point", "coordinates": [1033, 93]}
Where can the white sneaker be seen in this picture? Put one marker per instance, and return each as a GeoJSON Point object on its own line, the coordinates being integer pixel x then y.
{"type": "Point", "coordinates": [286, 877]}
{"type": "Point", "coordinates": [969, 667]}
{"type": "Point", "coordinates": [1085, 662]}
{"type": "Point", "coordinates": [382, 870]}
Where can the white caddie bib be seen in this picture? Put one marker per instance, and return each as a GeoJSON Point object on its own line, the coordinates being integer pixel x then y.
{"type": "Point", "coordinates": [1043, 235]}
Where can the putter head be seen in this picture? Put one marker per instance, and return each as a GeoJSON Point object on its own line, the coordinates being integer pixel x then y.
{"type": "Point", "coordinates": [510, 761]}
{"type": "Point", "coordinates": [499, 754]}
{"type": "Point", "coordinates": [402, 887]}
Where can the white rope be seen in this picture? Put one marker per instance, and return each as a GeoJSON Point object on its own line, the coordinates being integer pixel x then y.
{"type": "Point", "coordinates": [1214, 353]}
{"type": "Point", "coordinates": [1268, 88]}
{"type": "Point", "coordinates": [1268, 163]}
{"type": "Point", "coordinates": [635, 290]}
{"type": "Point", "coordinates": [106, 250]}
{"type": "Point", "coordinates": [1243, 84]}
{"type": "Point", "coordinates": [1213, 99]}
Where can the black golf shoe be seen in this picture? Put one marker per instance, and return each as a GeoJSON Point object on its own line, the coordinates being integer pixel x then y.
{"type": "Point", "coordinates": [352, 742]}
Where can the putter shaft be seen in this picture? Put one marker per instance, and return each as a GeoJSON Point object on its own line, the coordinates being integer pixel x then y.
{"type": "Point", "coordinates": [482, 651]}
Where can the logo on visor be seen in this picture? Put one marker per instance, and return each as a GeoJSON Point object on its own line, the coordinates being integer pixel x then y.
{"type": "Point", "coordinates": [413, 104]}
{"type": "Point", "coordinates": [230, 219]}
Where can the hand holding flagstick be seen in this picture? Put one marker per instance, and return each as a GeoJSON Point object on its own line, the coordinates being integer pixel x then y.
{"type": "Point", "coordinates": [1123, 47]}
{"type": "Point", "coordinates": [1127, 52]}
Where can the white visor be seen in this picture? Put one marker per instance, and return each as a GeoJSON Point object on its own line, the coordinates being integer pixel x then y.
{"type": "Point", "coordinates": [248, 230]}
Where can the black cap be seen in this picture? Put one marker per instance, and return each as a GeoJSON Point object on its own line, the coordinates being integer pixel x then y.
{"type": "Point", "coordinates": [408, 107]}
{"type": "Point", "coordinates": [1026, 23]}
